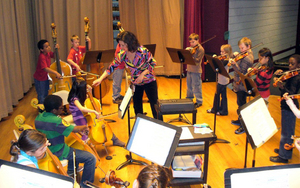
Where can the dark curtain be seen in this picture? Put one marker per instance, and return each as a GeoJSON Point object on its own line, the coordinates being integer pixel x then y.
{"type": "Point", "coordinates": [192, 23]}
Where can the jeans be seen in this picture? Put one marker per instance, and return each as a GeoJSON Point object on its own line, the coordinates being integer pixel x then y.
{"type": "Point", "coordinates": [241, 97]}
{"type": "Point", "coordinates": [117, 80]}
{"type": "Point", "coordinates": [89, 161]}
{"type": "Point", "coordinates": [194, 86]}
{"type": "Point", "coordinates": [151, 92]}
{"type": "Point", "coordinates": [223, 107]}
{"type": "Point", "coordinates": [288, 121]}
{"type": "Point", "coordinates": [41, 88]}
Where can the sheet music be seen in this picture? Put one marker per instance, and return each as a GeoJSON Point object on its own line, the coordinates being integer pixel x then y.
{"type": "Point", "coordinates": [125, 102]}
{"type": "Point", "coordinates": [27, 179]}
{"type": "Point", "coordinates": [260, 125]}
{"type": "Point", "coordinates": [288, 178]}
{"type": "Point", "coordinates": [152, 141]}
{"type": "Point", "coordinates": [186, 134]}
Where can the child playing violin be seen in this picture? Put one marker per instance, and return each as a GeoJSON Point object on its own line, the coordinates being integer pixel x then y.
{"type": "Point", "coordinates": [30, 147]}
{"type": "Point", "coordinates": [193, 78]}
{"type": "Point", "coordinates": [264, 72]}
{"type": "Point", "coordinates": [76, 99]}
{"type": "Point", "coordinates": [288, 119]}
{"type": "Point", "coordinates": [292, 105]}
{"type": "Point", "coordinates": [241, 65]}
{"type": "Point", "coordinates": [221, 107]}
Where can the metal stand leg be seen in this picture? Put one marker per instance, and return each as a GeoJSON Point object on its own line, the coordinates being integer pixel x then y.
{"type": "Point", "coordinates": [130, 160]}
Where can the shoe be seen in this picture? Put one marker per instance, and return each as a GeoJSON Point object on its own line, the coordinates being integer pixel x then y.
{"type": "Point", "coordinates": [235, 122]}
{"type": "Point", "coordinates": [277, 159]}
{"type": "Point", "coordinates": [276, 150]}
{"type": "Point", "coordinates": [197, 105]}
{"type": "Point", "coordinates": [118, 100]}
{"type": "Point", "coordinates": [117, 142]}
{"type": "Point", "coordinates": [79, 169]}
{"type": "Point", "coordinates": [240, 130]}
{"type": "Point", "coordinates": [210, 111]}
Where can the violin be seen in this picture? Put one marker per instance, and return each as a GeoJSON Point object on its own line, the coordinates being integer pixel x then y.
{"type": "Point", "coordinates": [111, 179]}
{"type": "Point", "coordinates": [63, 68]}
{"type": "Point", "coordinates": [220, 57]}
{"type": "Point", "coordinates": [239, 57]}
{"type": "Point", "coordinates": [296, 96]}
{"type": "Point", "coordinates": [194, 49]}
{"type": "Point", "coordinates": [254, 71]}
{"type": "Point", "coordinates": [286, 75]}
{"type": "Point", "coordinates": [290, 146]}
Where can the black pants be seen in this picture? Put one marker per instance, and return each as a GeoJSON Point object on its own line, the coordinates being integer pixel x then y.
{"type": "Point", "coordinates": [151, 92]}
{"type": "Point", "coordinates": [241, 98]}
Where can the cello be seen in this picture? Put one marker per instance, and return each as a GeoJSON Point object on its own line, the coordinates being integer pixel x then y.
{"type": "Point", "coordinates": [63, 68]}
{"type": "Point", "coordinates": [94, 68]}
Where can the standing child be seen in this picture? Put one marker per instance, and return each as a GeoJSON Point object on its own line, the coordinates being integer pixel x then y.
{"type": "Point", "coordinates": [77, 96]}
{"type": "Point", "coordinates": [292, 105]}
{"type": "Point", "coordinates": [221, 107]}
{"type": "Point", "coordinates": [264, 73]}
{"type": "Point", "coordinates": [41, 81]}
{"type": "Point", "coordinates": [288, 119]}
{"type": "Point", "coordinates": [30, 147]}
{"type": "Point", "coordinates": [193, 78]}
{"type": "Point", "coordinates": [242, 66]}
{"type": "Point", "coordinates": [76, 54]}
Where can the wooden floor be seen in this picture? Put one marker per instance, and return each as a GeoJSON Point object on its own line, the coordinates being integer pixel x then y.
{"type": "Point", "coordinates": [222, 156]}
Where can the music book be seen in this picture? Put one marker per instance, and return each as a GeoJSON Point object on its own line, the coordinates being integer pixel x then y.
{"type": "Point", "coordinates": [154, 140]}
{"type": "Point", "coordinates": [257, 122]}
{"type": "Point", "coordinates": [125, 103]}
{"type": "Point", "coordinates": [17, 175]}
{"type": "Point", "coordinates": [263, 177]}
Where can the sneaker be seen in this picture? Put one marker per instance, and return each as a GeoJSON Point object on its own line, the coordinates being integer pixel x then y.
{"type": "Point", "coordinates": [240, 130]}
{"type": "Point", "coordinates": [79, 169]}
{"type": "Point", "coordinates": [118, 100]}
{"type": "Point", "coordinates": [277, 159]}
{"type": "Point", "coordinates": [235, 122]}
{"type": "Point", "coordinates": [197, 105]}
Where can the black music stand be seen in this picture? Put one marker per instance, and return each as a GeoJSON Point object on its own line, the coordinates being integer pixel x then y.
{"type": "Point", "coordinates": [124, 106]}
{"type": "Point", "coordinates": [218, 68]}
{"type": "Point", "coordinates": [252, 91]}
{"type": "Point", "coordinates": [99, 56]}
{"type": "Point", "coordinates": [183, 57]}
{"type": "Point", "coordinates": [151, 48]}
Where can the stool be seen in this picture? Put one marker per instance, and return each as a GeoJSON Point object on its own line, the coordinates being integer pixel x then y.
{"type": "Point", "coordinates": [160, 113]}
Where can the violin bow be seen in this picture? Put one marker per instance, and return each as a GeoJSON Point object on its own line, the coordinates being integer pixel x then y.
{"type": "Point", "coordinates": [208, 39]}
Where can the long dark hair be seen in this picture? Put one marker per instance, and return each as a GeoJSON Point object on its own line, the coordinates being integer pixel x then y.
{"type": "Point", "coordinates": [153, 176]}
{"type": "Point", "coordinates": [130, 39]}
{"type": "Point", "coordinates": [266, 52]}
{"type": "Point", "coordinates": [29, 140]}
{"type": "Point", "coordinates": [78, 90]}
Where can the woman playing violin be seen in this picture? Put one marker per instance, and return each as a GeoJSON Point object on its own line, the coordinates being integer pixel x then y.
{"type": "Point", "coordinates": [264, 72]}
{"type": "Point", "coordinates": [288, 119]}
{"type": "Point", "coordinates": [242, 66]}
{"type": "Point", "coordinates": [30, 147]}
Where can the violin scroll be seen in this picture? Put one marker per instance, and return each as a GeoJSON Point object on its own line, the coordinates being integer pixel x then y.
{"type": "Point", "coordinates": [111, 179]}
